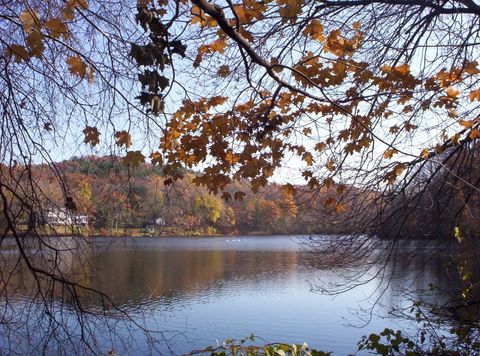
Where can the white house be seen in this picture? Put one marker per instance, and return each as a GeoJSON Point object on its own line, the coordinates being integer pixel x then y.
{"type": "Point", "coordinates": [60, 216]}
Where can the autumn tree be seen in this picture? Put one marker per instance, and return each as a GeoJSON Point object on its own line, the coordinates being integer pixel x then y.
{"type": "Point", "coordinates": [357, 97]}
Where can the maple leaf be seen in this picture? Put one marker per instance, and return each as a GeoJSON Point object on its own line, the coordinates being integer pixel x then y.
{"type": "Point", "coordinates": [307, 157]}
{"type": "Point", "coordinates": [329, 201]}
{"type": "Point", "coordinates": [474, 134]}
{"type": "Point", "coordinates": [77, 66]}
{"type": "Point", "coordinates": [19, 52]}
{"type": "Point", "coordinates": [389, 153]}
{"type": "Point", "coordinates": [35, 44]}
{"type": "Point", "coordinates": [330, 165]}
{"type": "Point", "coordinates": [82, 4]}
{"type": "Point", "coordinates": [452, 92]}
{"type": "Point", "coordinates": [30, 20]}
{"type": "Point", "coordinates": [92, 136]}
{"type": "Point", "coordinates": [466, 123]}
{"type": "Point", "coordinates": [231, 158]}
{"type": "Point", "coordinates": [290, 9]}
{"type": "Point", "coordinates": [123, 138]}
{"type": "Point", "coordinates": [68, 13]}
{"type": "Point", "coordinates": [474, 94]}
{"type": "Point", "coordinates": [156, 158]}
{"type": "Point", "coordinates": [425, 153]}
{"type": "Point", "coordinates": [57, 28]}
{"type": "Point", "coordinates": [315, 30]}
{"type": "Point", "coordinates": [319, 147]}
{"type": "Point", "coordinates": [201, 18]}
{"type": "Point", "coordinates": [133, 158]}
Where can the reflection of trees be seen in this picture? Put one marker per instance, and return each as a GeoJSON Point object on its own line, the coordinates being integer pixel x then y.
{"type": "Point", "coordinates": [132, 275]}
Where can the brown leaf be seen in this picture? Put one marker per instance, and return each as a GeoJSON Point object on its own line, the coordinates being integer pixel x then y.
{"type": "Point", "coordinates": [92, 136]}
{"type": "Point", "coordinates": [123, 138]}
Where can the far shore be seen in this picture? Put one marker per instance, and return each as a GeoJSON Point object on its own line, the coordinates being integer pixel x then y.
{"type": "Point", "coordinates": [68, 231]}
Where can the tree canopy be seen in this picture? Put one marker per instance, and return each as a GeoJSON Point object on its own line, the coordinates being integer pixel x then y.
{"type": "Point", "coordinates": [353, 92]}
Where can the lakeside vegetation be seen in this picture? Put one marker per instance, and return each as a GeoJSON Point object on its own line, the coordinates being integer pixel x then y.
{"type": "Point", "coordinates": [121, 200]}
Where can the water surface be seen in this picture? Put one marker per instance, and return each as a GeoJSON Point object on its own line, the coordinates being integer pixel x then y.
{"type": "Point", "coordinates": [201, 291]}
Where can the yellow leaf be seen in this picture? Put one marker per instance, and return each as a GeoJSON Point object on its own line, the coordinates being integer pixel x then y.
{"type": "Point", "coordinates": [466, 123]}
{"type": "Point", "coordinates": [77, 66]}
{"type": "Point", "coordinates": [57, 28]}
{"type": "Point", "coordinates": [219, 45]}
{"type": "Point", "coordinates": [231, 158]}
{"type": "Point", "coordinates": [123, 139]}
{"type": "Point", "coordinates": [403, 69]}
{"type": "Point", "coordinates": [357, 25]}
{"type": "Point", "coordinates": [133, 158]}
{"type": "Point", "coordinates": [391, 176]}
{"type": "Point", "coordinates": [455, 138]}
{"type": "Point", "coordinates": [30, 20]}
{"type": "Point", "coordinates": [92, 136]}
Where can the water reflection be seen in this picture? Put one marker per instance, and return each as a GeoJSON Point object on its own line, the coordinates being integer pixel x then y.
{"type": "Point", "coordinates": [217, 288]}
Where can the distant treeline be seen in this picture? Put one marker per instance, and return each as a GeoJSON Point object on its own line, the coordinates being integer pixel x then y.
{"type": "Point", "coordinates": [115, 197]}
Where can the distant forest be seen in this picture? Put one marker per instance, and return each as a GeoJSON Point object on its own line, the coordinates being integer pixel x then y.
{"type": "Point", "coordinates": [116, 197]}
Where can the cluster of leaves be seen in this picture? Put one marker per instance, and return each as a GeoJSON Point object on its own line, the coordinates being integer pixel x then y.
{"type": "Point", "coordinates": [154, 55]}
{"type": "Point", "coordinates": [242, 348]}
{"type": "Point", "coordinates": [50, 27]}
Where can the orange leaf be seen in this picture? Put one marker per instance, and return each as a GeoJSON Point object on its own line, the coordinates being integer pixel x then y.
{"type": "Point", "coordinates": [315, 30]}
{"type": "Point", "coordinates": [77, 66]}
{"type": "Point", "coordinates": [123, 138]}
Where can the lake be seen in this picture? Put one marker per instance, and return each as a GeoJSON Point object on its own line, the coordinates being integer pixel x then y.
{"type": "Point", "coordinates": [202, 290]}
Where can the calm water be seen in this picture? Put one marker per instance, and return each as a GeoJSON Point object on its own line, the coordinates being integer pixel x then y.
{"type": "Point", "coordinates": [200, 290]}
